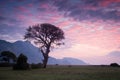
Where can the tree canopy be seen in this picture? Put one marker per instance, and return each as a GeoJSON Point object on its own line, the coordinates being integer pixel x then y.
{"type": "Point", "coordinates": [46, 36]}
{"type": "Point", "coordinates": [9, 55]}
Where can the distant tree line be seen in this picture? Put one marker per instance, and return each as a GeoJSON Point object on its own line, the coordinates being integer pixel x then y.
{"type": "Point", "coordinates": [8, 59]}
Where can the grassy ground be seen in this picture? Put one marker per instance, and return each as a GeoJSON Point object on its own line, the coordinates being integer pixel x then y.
{"type": "Point", "coordinates": [63, 73]}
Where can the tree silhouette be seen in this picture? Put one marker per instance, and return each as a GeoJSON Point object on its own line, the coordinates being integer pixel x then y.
{"type": "Point", "coordinates": [114, 64]}
{"type": "Point", "coordinates": [22, 59]}
{"type": "Point", "coordinates": [46, 36]}
{"type": "Point", "coordinates": [9, 56]}
{"type": "Point", "coordinates": [21, 63]}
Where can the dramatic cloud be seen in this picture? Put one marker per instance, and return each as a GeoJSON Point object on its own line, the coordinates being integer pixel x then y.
{"type": "Point", "coordinates": [90, 9]}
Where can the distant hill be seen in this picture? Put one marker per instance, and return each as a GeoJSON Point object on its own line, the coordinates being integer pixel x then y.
{"type": "Point", "coordinates": [66, 61]}
{"type": "Point", "coordinates": [73, 61]}
{"type": "Point", "coordinates": [33, 53]}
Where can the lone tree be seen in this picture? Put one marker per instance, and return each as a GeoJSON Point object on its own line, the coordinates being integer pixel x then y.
{"type": "Point", "coordinates": [46, 36]}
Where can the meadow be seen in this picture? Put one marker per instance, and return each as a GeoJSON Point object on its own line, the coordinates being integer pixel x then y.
{"type": "Point", "coordinates": [62, 73]}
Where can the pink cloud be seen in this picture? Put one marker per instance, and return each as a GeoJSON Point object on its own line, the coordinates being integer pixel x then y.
{"type": "Point", "coordinates": [30, 5]}
{"type": "Point", "coordinates": [90, 8]}
{"type": "Point", "coordinates": [105, 3]}
{"type": "Point", "coordinates": [118, 13]}
{"type": "Point", "coordinates": [45, 5]}
{"type": "Point", "coordinates": [30, 15]}
{"type": "Point", "coordinates": [21, 17]}
{"type": "Point", "coordinates": [98, 33]}
{"type": "Point", "coordinates": [94, 34]}
{"type": "Point", "coordinates": [21, 9]}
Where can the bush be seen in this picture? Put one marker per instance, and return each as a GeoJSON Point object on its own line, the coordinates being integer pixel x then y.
{"type": "Point", "coordinates": [114, 65]}
{"type": "Point", "coordinates": [21, 63]}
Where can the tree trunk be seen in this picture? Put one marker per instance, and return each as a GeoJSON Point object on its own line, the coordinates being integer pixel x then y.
{"type": "Point", "coordinates": [46, 55]}
{"type": "Point", "coordinates": [45, 58]}
{"type": "Point", "coordinates": [45, 61]}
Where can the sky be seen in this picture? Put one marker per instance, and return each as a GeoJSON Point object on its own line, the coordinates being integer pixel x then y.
{"type": "Point", "coordinates": [91, 27]}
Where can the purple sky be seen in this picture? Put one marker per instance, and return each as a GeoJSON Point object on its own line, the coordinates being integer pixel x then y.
{"type": "Point", "coordinates": [92, 27]}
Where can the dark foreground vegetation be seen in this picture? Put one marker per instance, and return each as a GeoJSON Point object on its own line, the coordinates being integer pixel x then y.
{"type": "Point", "coordinates": [62, 73]}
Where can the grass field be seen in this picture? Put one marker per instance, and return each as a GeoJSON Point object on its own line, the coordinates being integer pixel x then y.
{"type": "Point", "coordinates": [63, 73]}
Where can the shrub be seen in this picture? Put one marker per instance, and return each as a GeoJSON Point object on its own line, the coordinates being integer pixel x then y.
{"type": "Point", "coordinates": [114, 65]}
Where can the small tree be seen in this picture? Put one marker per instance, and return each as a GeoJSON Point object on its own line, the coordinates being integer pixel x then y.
{"type": "Point", "coordinates": [22, 59]}
{"type": "Point", "coordinates": [21, 63]}
{"type": "Point", "coordinates": [46, 36]}
{"type": "Point", "coordinates": [9, 55]}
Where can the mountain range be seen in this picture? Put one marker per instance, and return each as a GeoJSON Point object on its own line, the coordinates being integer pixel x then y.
{"type": "Point", "coordinates": [33, 53]}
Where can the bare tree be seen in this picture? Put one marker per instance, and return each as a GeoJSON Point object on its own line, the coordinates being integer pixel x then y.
{"type": "Point", "coordinates": [46, 36]}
